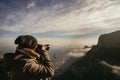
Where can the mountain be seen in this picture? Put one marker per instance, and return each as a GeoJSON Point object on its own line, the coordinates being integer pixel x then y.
{"type": "Point", "coordinates": [101, 62]}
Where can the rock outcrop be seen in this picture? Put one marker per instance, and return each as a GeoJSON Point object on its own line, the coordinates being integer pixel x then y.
{"type": "Point", "coordinates": [111, 40]}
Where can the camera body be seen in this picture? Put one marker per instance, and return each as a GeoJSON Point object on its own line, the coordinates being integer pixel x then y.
{"type": "Point", "coordinates": [47, 47]}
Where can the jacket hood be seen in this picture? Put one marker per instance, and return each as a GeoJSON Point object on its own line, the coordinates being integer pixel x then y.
{"type": "Point", "coordinates": [12, 59]}
{"type": "Point", "coordinates": [26, 53]}
{"type": "Point", "coordinates": [20, 53]}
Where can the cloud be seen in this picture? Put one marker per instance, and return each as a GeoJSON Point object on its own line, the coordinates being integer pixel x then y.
{"type": "Point", "coordinates": [63, 19]}
{"type": "Point", "coordinates": [77, 53]}
{"type": "Point", "coordinates": [32, 4]}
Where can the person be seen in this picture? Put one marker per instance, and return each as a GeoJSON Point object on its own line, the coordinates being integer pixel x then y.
{"type": "Point", "coordinates": [27, 63]}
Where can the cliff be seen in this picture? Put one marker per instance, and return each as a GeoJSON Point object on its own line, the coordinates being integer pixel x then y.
{"type": "Point", "coordinates": [102, 62]}
{"type": "Point", "coordinates": [110, 40]}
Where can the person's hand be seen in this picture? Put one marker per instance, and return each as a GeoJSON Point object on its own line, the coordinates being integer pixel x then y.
{"type": "Point", "coordinates": [43, 47]}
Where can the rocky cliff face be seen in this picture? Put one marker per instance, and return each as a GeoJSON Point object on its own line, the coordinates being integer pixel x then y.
{"type": "Point", "coordinates": [111, 40]}
{"type": "Point", "coordinates": [102, 62]}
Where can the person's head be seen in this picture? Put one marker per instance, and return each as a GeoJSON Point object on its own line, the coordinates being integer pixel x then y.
{"type": "Point", "coordinates": [26, 41]}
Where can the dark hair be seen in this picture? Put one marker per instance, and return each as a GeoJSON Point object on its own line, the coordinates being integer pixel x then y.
{"type": "Point", "coordinates": [26, 41]}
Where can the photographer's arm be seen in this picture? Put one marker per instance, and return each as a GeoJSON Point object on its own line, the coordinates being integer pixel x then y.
{"type": "Point", "coordinates": [41, 70]}
{"type": "Point", "coordinates": [46, 61]}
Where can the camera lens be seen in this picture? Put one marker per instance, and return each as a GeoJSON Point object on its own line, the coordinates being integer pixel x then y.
{"type": "Point", "coordinates": [47, 46]}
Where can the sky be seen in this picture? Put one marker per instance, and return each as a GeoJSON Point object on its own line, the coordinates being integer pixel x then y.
{"type": "Point", "coordinates": [57, 22]}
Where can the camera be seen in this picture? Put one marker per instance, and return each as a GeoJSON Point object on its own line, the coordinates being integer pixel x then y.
{"type": "Point", "coordinates": [47, 47]}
